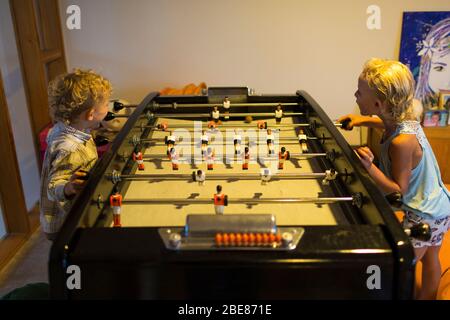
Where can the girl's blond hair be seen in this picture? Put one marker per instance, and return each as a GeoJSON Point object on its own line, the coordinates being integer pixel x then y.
{"type": "Point", "coordinates": [73, 93]}
{"type": "Point", "coordinates": [393, 83]}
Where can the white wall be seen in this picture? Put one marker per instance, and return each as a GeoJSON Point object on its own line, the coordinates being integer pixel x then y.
{"type": "Point", "coordinates": [273, 46]}
{"type": "Point", "coordinates": [18, 110]}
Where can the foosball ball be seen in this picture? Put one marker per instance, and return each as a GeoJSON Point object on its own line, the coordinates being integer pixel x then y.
{"type": "Point", "coordinates": [232, 195]}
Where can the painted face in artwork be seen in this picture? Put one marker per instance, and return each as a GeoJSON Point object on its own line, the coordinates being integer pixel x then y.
{"type": "Point", "coordinates": [439, 77]}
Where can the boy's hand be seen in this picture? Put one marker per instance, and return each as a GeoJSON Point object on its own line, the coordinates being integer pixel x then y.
{"type": "Point", "coordinates": [349, 121]}
{"type": "Point", "coordinates": [76, 182]}
{"type": "Point", "coordinates": [366, 156]}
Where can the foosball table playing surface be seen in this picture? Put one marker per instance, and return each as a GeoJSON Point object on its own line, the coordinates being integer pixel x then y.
{"type": "Point", "coordinates": [193, 201]}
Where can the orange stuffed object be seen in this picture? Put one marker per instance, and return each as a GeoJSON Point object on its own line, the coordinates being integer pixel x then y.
{"type": "Point", "coordinates": [190, 89]}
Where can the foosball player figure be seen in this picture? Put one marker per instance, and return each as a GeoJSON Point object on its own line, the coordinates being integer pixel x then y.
{"type": "Point", "coordinates": [302, 138]}
{"type": "Point", "coordinates": [220, 200]}
{"type": "Point", "coordinates": [137, 156]}
{"type": "Point", "coordinates": [270, 140]}
{"type": "Point", "coordinates": [246, 158]}
{"type": "Point", "coordinates": [265, 176]}
{"type": "Point", "coordinates": [205, 141]}
{"type": "Point", "coordinates": [209, 158]}
{"type": "Point", "coordinates": [278, 113]}
{"type": "Point", "coordinates": [283, 155]}
{"type": "Point", "coordinates": [174, 158]}
{"type": "Point", "coordinates": [248, 119]}
{"type": "Point", "coordinates": [237, 142]}
{"type": "Point", "coordinates": [215, 114]}
{"type": "Point", "coordinates": [199, 176]}
{"type": "Point", "coordinates": [226, 106]}
{"type": "Point", "coordinates": [261, 124]}
{"type": "Point", "coordinates": [170, 141]}
{"type": "Point", "coordinates": [163, 126]}
{"type": "Point", "coordinates": [115, 201]}
{"type": "Point", "coordinates": [212, 125]}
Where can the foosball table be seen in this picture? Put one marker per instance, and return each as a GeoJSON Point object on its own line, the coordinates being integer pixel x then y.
{"type": "Point", "coordinates": [230, 194]}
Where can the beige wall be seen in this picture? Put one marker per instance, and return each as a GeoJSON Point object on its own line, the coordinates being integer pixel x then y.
{"type": "Point", "coordinates": [273, 46]}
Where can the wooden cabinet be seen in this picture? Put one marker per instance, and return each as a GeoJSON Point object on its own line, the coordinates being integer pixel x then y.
{"type": "Point", "coordinates": [439, 138]}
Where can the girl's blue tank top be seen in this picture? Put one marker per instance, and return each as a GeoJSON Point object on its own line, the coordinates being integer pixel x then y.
{"type": "Point", "coordinates": [427, 195]}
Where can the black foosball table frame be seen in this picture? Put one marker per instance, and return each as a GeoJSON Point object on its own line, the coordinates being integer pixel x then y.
{"type": "Point", "coordinates": [329, 262]}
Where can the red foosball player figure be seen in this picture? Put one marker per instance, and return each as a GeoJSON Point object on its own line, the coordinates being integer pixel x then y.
{"type": "Point", "coordinates": [226, 106]}
{"type": "Point", "coordinates": [205, 141]}
{"type": "Point", "coordinates": [210, 158]}
{"type": "Point", "coordinates": [278, 113]}
{"type": "Point", "coordinates": [261, 124]}
{"type": "Point", "coordinates": [115, 200]}
{"type": "Point", "coordinates": [174, 158]}
{"type": "Point", "coordinates": [246, 159]}
{"type": "Point", "coordinates": [163, 126]}
{"type": "Point", "coordinates": [270, 140]}
{"type": "Point", "coordinates": [283, 155]}
{"type": "Point", "coordinates": [212, 125]}
{"type": "Point", "coordinates": [137, 156]}
{"type": "Point", "coordinates": [220, 200]}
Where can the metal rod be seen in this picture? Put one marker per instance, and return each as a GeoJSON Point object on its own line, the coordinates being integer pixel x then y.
{"type": "Point", "coordinates": [195, 105]}
{"type": "Point", "coordinates": [199, 140]}
{"type": "Point", "coordinates": [223, 114]}
{"type": "Point", "coordinates": [174, 201]}
{"type": "Point", "coordinates": [247, 176]}
{"type": "Point", "coordinates": [292, 155]}
{"type": "Point", "coordinates": [230, 125]}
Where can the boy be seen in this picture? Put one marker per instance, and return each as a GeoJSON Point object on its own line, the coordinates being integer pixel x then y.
{"type": "Point", "coordinates": [407, 162]}
{"type": "Point", "coordinates": [78, 102]}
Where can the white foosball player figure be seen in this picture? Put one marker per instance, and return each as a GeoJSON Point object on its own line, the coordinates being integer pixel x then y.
{"type": "Point", "coordinates": [215, 114]}
{"type": "Point", "coordinates": [278, 113]}
{"type": "Point", "coordinates": [205, 141]}
{"type": "Point", "coordinates": [330, 175]}
{"type": "Point", "coordinates": [265, 176]}
{"type": "Point", "coordinates": [170, 141]}
{"type": "Point", "coordinates": [137, 156]}
{"type": "Point", "coordinates": [115, 201]}
{"type": "Point", "coordinates": [302, 138]}
{"type": "Point", "coordinates": [237, 139]}
{"type": "Point", "coordinates": [226, 106]}
{"type": "Point", "coordinates": [220, 200]}
{"type": "Point", "coordinates": [270, 140]}
{"type": "Point", "coordinates": [199, 176]}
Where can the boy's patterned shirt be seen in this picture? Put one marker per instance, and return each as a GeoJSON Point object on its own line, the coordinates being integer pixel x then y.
{"type": "Point", "coordinates": [68, 151]}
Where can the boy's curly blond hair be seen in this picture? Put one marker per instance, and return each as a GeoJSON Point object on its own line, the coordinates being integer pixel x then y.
{"type": "Point", "coordinates": [394, 83]}
{"type": "Point", "coordinates": [73, 93]}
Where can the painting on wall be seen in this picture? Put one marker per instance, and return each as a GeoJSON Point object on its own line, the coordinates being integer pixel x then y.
{"type": "Point", "coordinates": [425, 49]}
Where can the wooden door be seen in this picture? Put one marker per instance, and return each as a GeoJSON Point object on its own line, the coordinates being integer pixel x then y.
{"type": "Point", "coordinates": [39, 40]}
{"type": "Point", "coordinates": [11, 193]}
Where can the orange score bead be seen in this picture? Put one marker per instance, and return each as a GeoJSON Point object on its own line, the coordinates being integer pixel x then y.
{"type": "Point", "coordinates": [251, 239]}
{"type": "Point", "coordinates": [272, 238]}
{"type": "Point", "coordinates": [238, 239]}
{"type": "Point", "coordinates": [226, 239]}
{"type": "Point", "coordinates": [265, 237]}
{"type": "Point", "coordinates": [219, 239]}
{"type": "Point", "coordinates": [259, 238]}
{"type": "Point", "coordinates": [232, 239]}
{"type": "Point", "coordinates": [245, 239]}
{"type": "Point", "coordinates": [278, 238]}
